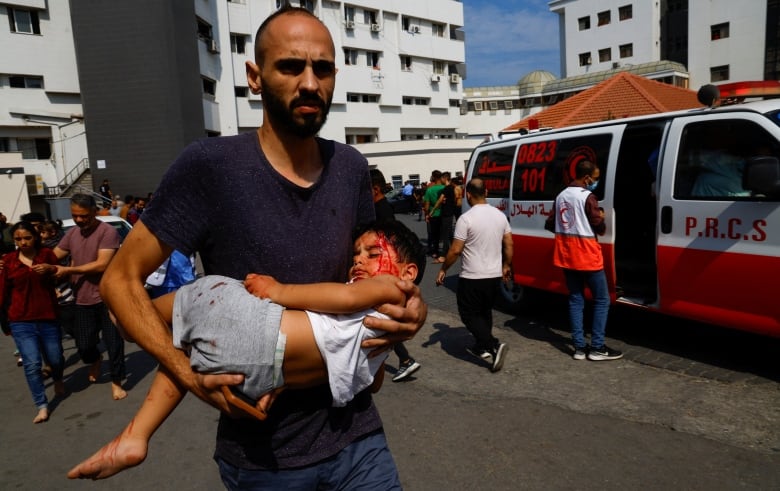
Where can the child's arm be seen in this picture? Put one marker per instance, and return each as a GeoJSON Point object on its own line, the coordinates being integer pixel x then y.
{"type": "Point", "coordinates": [333, 298]}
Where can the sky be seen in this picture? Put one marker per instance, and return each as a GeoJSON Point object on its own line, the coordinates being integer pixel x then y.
{"type": "Point", "coordinates": [507, 39]}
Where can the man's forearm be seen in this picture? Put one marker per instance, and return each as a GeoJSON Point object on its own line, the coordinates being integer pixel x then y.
{"type": "Point", "coordinates": [130, 303]}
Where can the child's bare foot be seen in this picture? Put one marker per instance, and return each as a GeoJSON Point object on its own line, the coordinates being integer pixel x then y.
{"type": "Point", "coordinates": [43, 415]}
{"type": "Point", "coordinates": [117, 392]}
{"type": "Point", "coordinates": [94, 370]}
{"type": "Point", "coordinates": [59, 388]}
{"type": "Point", "coordinates": [121, 453]}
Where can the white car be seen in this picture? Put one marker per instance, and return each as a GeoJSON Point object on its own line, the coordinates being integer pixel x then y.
{"type": "Point", "coordinates": [120, 224]}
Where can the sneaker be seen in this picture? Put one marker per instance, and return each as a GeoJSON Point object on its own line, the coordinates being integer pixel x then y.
{"type": "Point", "coordinates": [579, 353]}
{"type": "Point", "coordinates": [480, 353]}
{"type": "Point", "coordinates": [604, 353]}
{"type": "Point", "coordinates": [405, 369]}
{"type": "Point", "coordinates": [498, 357]}
{"type": "Point", "coordinates": [19, 362]}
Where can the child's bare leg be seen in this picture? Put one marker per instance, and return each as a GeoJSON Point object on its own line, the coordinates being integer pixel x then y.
{"type": "Point", "coordinates": [129, 448]}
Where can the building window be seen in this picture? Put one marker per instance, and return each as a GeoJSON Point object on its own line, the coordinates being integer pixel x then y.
{"type": "Point", "coordinates": [626, 50]}
{"type": "Point", "coordinates": [204, 30]}
{"type": "Point", "coordinates": [454, 102]}
{"type": "Point", "coordinates": [238, 43]}
{"type": "Point", "coordinates": [23, 21]}
{"type": "Point", "coordinates": [349, 14]}
{"type": "Point", "coordinates": [719, 31]}
{"type": "Point", "coordinates": [405, 23]}
{"type": "Point", "coordinates": [584, 23]}
{"type": "Point", "coordinates": [369, 17]}
{"type": "Point", "coordinates": [719, 73]}
{"type": "Point", "coordinates": [438, 67]}
{"type": "Point", "coordinates": [604, 18]}
{"type": "Point", "coordinates": [438, 30]}
{"type": "Point", "coordinates": [508, 104]}
{"type": "Point", "coordinates": [493, 105]}
{"type": "Point", "coordinates": [626, 12]}
{"type": "Point", "coordinates": [585, 59]}
{"type": "Point", "coordinates": [209, 86]}
{"type": "Point", "coordinates": [355, 97]}
{"type": "Point", "coordinates": [25, 82]}
{"type": "Point", "coordinates": [306, 4]}
{"type": "Point", "coordinates": [242, 91]}
{"type": "Point", "coordinates": [478, 106]}
{"type": "Point", "coordinates": [34, 148]}
{"type": "Point", "coordinates": [415, 101]}
{"type": "Point", "coordinates": [350, 56]}
{"type": "Point", "coordinates": [406, 63]}
{"type": "Point", "coordinates": [605, 54]}
{"type": "Point", "coordinates": [372, 59]}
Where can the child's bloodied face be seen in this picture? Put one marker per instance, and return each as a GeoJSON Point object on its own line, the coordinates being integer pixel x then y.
{"type": "Point", "coordinates": [373, 255]}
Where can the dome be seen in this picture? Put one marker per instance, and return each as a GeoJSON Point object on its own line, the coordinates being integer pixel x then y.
{"type": "Point", "coordinates": [534, 81]}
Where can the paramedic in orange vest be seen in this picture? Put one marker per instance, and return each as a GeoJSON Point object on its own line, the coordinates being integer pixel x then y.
{"type": "Point", "coordinates": [576, 220]}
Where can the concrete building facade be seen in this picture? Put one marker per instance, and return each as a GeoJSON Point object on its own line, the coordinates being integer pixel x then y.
{"type": "Point", "coordinates": [144, 78]}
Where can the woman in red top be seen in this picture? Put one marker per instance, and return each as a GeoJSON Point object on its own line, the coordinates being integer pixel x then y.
{"type": "Point", "coordinates": [27, 279]}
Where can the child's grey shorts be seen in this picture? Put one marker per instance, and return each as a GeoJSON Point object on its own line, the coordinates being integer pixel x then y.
{"type": "Point", "coordinates": [228, 330]}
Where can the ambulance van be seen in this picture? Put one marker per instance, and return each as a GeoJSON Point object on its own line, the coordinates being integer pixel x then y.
{"type": "Point", "coordinates": [692, 207]}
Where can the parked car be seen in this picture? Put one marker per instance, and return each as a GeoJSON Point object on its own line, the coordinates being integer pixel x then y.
{"type": "Point", "coordinates": [120, 224]}
{"type": "Point", "coordinates": [399, 202]}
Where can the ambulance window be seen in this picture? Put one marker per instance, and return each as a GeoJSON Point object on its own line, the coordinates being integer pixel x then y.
{"type": "Point", "coordinates": [494, 166]}
{"type": "Point", "coordinates": [544, 168]}
{"type": "Point", "coordinates": [713, 156]}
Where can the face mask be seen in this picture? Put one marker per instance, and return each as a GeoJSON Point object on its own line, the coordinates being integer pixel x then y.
{"type": "Point", "coordinates": [592, 186]}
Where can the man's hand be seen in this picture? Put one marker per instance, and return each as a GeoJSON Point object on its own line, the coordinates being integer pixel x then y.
{"type": "Point", "coordinates": [404, 322]}
{"type": "Point", "coordinates": [208, 388]}
{"type": "Point", "coordinates": [61, 272]}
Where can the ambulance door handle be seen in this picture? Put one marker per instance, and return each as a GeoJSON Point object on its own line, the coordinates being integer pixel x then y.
{"type": "Point", "coordinates": [666, 219]}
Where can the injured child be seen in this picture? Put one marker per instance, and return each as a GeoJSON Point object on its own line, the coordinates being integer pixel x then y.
{"type": "Point", "coordinates": [278, 335]}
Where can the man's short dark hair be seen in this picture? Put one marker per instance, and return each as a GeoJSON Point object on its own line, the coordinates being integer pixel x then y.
{"type": "Point", "coordinates": [476, 188]}
{"type": "Point", "coordinates": [435, 175]}
{"type": "Point", "coordinates": [584, 168]}
{"type": "Point", "coordinates": [406, 242]}
{"type": "Point", "coordinates": [83, 201]}
{"type": "Point", "coordinates": [378, 179]}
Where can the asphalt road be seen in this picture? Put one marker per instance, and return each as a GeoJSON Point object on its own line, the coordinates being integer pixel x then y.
{"type": "Point", "coordinates": [689, 407]}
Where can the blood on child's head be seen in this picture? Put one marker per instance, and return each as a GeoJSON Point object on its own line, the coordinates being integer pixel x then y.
{"type": "Point", "coordinates": [383, 246]}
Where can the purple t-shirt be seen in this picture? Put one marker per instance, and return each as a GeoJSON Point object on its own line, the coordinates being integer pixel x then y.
{"type": "Point", "coordinates": [84, 249]}
{"type": "Point", "coordinates": [223, 199]}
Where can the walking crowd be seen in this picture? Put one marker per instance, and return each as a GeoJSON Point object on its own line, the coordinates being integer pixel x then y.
{"type": "Point", "coordinates": [287, 344]}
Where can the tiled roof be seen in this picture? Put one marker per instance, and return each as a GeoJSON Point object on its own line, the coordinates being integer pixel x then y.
{"type": "Point", "coordinates": [621, 96]}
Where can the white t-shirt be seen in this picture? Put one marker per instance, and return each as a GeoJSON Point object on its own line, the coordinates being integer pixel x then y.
{"type": "Point", "coordinates": [482, 229]}
{"type": "Point", "coordinates": [338, 338]}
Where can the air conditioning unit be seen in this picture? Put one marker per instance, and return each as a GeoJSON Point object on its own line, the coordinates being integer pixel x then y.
{"type": "Point", "coordinates": [435, 77]}
{"type": "Point", "coordinates": [414, 29]}
{"type": "Point", "coordinates": [213, 46]}
{"type": "Point", "coordinates": [350, 24]}
{"type": "Point", "coordinates": [375, 27]}
{"type": "Point", "coordinates": [454, 78]}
